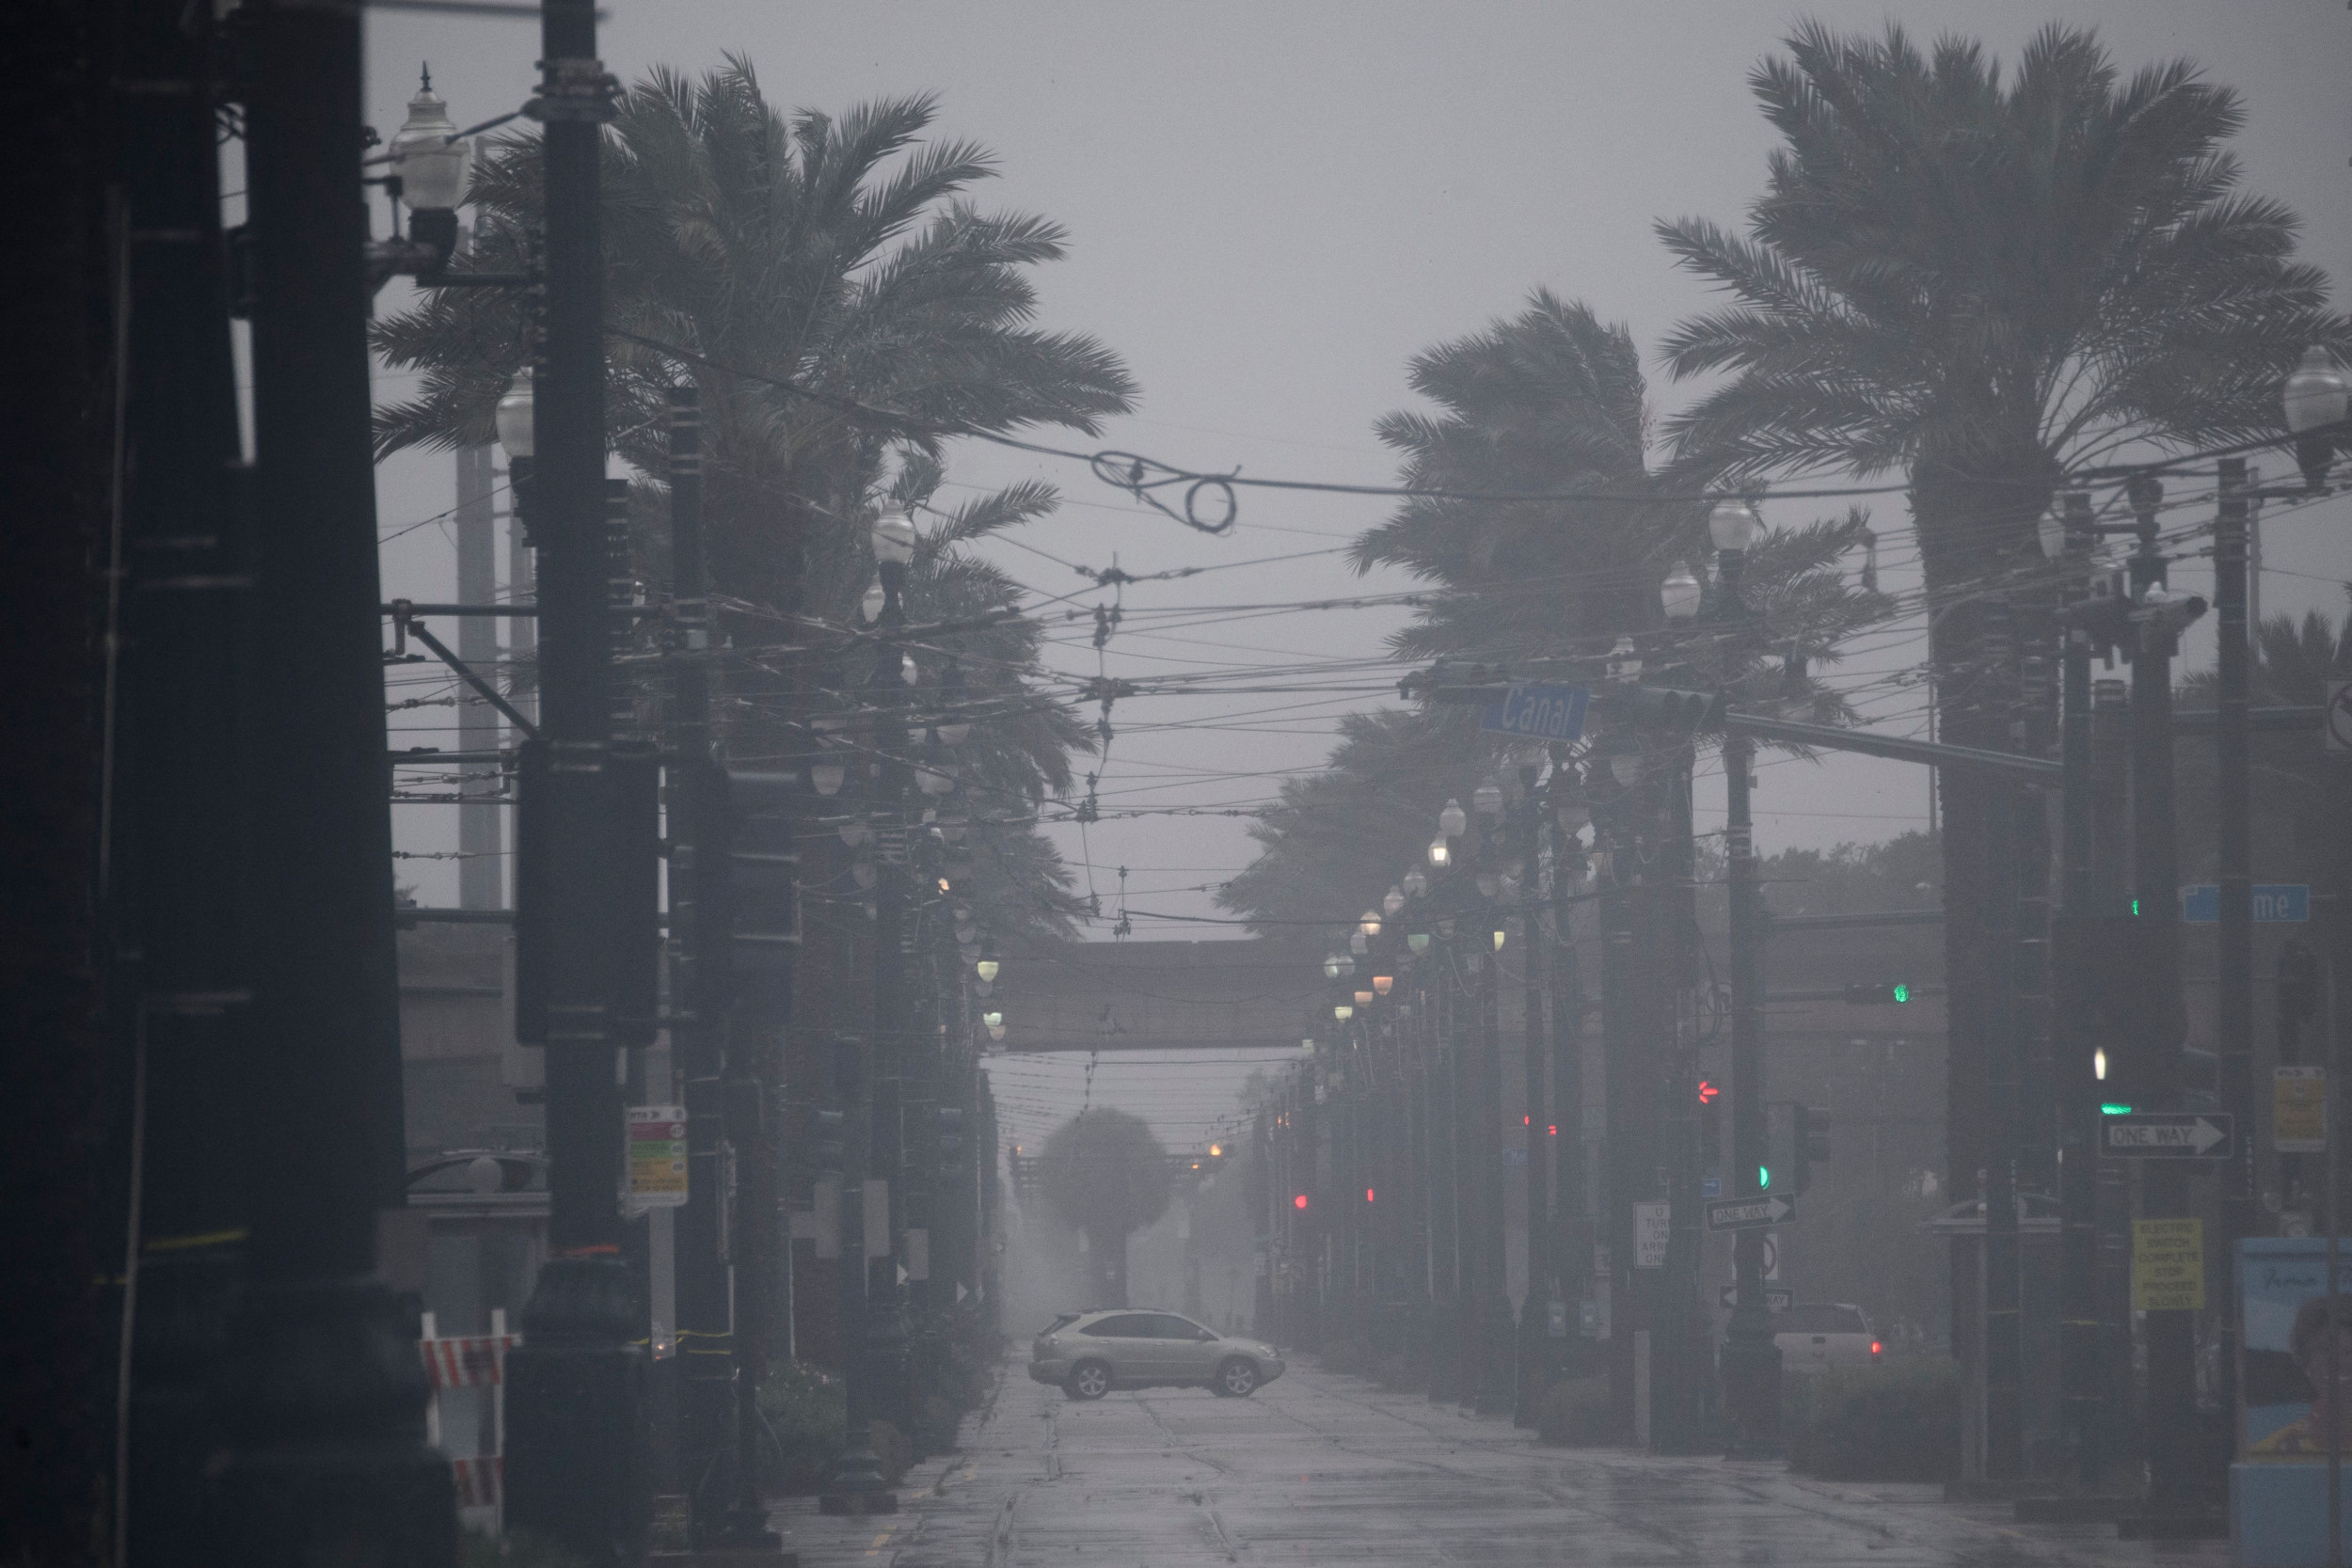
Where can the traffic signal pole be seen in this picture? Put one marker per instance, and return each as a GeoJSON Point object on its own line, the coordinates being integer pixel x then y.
{"type": "Point", "coordinates": [1752, 1370]}
{"type": "Point", "coordinates": [577, 1470]}
{"type": "Point", "coordinates": [2170, 1416]}
{"type": "Point", "coordinates": [2234, 1010]}
{"type": "Point", "coordinates": [1535, 1305]}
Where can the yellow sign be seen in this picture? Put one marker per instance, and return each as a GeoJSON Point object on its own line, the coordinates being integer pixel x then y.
{"type": "Point", "coordinates": [2168, 1265]}
{"type": "Point", "coordinates": [657, 1156]}
{"type": "Point", "coordinates": [2299, 1110]}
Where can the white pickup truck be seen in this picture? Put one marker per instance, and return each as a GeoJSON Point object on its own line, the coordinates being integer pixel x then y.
{"type": "Point", "coordinates": [1816, 1336]}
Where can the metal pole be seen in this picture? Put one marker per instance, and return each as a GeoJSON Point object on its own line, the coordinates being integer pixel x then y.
{"type": "Point", "coordinates": [1678, 1342]}
{"type": "Point", "coordinates": [2234, 1013]}
{"type": "Point", "coordinates": [329, 1465]}
{"type": "Point", "coordinates": [577, 1471]}
{"type": "Point", "coordinates": [2004, 1413]}
{"type": "Point", "coordinates": [2082, 1389]}
{"type": "Point", "coordinates": [1533, 1305]}
{"type": "Point", "coordinates": [1620, 1150]}
{"type": "Point", "coordinates": [1496, 1334]}
{"type": "Point", "coordinates": [2170, 1413]}
{"type": "Point", "coordinates": [1752, 1370]}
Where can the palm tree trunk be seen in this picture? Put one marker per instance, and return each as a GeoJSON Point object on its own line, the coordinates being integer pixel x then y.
{"type": "Point", "coordinates": [1969, 531]}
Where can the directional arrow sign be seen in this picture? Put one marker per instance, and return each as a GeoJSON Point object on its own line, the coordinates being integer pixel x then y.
{"type": "Point", "coordinates": [2170, 1135]}
{"type": "Point", "coordinates": [1749, 1213]}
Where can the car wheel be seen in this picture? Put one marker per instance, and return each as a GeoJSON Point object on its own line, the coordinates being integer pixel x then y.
{"type": "Point", "coordinates": [1089, 1380]}
{"type": "Point", "coordinates": [1238, 1379]}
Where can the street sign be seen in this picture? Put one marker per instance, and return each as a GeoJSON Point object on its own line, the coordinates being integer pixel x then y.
{"type": "Point", "coordinates": [1653, 1223]}
{"type": "Point", "coordinates": [2299, 1110]}
{"type": "Point", "coordinates": [2275, 903]}
{"type": "Point", "coordinates": [657, 1156]}
{"type": "Point", "coordinates": [1710, 1186]}
{"type": "Point", "coordinates": [1538, 711]}
{"type": "Point", "coordinates": [2335, 721]}
{"type": "Point", "coordinates": [1776, 1299]}
{"type": "Point", "coordinates": [2168, 1265]}
{"type": "Point", "coordinates": [2169, 1135]}
{"type": "Point", "coordinates": [1750, 1214]}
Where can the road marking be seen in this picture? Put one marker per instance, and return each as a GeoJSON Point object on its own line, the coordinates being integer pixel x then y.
{"type": "Point", "coordinates": [875, 1550]}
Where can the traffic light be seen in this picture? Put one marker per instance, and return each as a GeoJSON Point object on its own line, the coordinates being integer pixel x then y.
{"type": "Point", "coordinates": [1812, 1141]}
{"type": "Point", "coordinates": [2110, 1001]}
{"type": "Point", "coordinates": [1871, 994]}
{"type": "Point", "coordinates": [828, 1139]}
{"type": "Point", "coordinates": [2298, 986]}
{"type": "Point", "coordinates": [2162, 614]}
{"type": "Point", "coordinates": [1298, 1201]}
{"type": "Point", "coordinates": [949, 1121]}
{"type": "Point", "coordinates": [2104, 618]}
{"type": "Point", "coordinates": [762, 870]}
{"type": "Point", "coordinates": [1796, 1138]}
{"type": "Point", "coordinates": [587, 925]}
{"type": "Point", "coordinates": [1711, 1122]}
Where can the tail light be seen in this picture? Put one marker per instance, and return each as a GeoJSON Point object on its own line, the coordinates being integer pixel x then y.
{"type": "Point", "coordinates": [1875, 1347]}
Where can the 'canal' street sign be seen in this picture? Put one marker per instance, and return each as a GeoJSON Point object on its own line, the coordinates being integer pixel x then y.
{"type": "Point", "coordinates": [1537, 711]}
{"type": "Point", "coordinates": [2275, 903]}
{"type": "Point", "coordinates": [1749, 1213]}
{"type": "Point", "coordinates": [2169, 1135]}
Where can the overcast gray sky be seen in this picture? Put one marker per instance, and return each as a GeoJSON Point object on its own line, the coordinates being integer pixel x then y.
{"type": "Point", "coordinates": [1271, 208]}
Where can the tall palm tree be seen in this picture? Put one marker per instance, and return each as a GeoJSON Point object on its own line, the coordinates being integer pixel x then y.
{"type": "Point", "coordinates": [803, 269]}
{"type": "Point", "coordinates": [1550, 399]}
{"type": "Point", "coordinates": [1983, 281]}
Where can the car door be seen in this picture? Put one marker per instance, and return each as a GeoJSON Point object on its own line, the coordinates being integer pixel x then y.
{"type": "Point", "coordinates": [1184, 1352]}
{"type": "Point", "coordinates": [1125, 1341]}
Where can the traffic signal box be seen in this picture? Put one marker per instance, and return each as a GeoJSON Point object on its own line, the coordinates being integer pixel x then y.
{"type": "Point", "coordinates": [2117, 1009]}
{"type": "Point", "coordinates": [1796, 1138]}
{"type": "Point", "coordinates": [587, 925]}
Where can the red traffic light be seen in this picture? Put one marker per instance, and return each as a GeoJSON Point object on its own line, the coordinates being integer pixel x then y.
{"type": "Point", "coordinates": [1707, 1092]}
{"type": "Point", "coordinates": [1367, 1194]}
{"type": "Point", "coordinates": [1299, 1201]}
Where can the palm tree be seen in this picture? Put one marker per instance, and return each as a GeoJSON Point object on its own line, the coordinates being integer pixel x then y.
{"type": "Point", "coordinates": [1104, 1173]}
{"type": "Point", "coordinates": [803, 270]}
{"type": "Point", "coordinates": [1984, 282]}
{"type": "Point", "coordinates": [1550, 399]}
{"type": "Point", "coordinates": [2294, 819]}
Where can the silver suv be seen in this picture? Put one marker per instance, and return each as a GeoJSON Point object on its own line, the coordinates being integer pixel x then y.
{"type": "Point", "coordinates": [1090, 1353]}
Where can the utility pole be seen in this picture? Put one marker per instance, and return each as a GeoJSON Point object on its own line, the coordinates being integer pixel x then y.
{"type": "Point", "coordinates": [2082, 1385]}
{"type": "Point", "coordinates": [481, 870]}
{"type": "Point", "coordinates": [2171, 1413]}
{"type": "Point", "coordinates": [328, 1465]}
{"type": "Point", "coordinates": [2234, 1013]}
{"type": "Point", "coordinates": [1535, 1305]}
{"type": "Point", "coordinates": [1678, 1344]}
{"type": "Point", "coordinates": [576, 1470]}
{"type": "Point", "coordinates": [1616, 819]}
{"type": "Point", "coordinates": [1751, 1368]}
{"type": "Point", "coordinates": [1573, 1233]}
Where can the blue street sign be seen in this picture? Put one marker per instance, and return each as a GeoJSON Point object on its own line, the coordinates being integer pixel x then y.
{"type": "Point", "coordinates": [2275, 903]}
{"type": "Point", "coordinates": [1710, 1186]}
{"type": "Point", "coordinates": [1539, 712]}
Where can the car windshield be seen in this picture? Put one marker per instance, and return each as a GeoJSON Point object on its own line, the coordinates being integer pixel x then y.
{"type": "Point", "coordinates": [1062, 1321]}
{"type": "Point", "coordinates": [1821, 1317]}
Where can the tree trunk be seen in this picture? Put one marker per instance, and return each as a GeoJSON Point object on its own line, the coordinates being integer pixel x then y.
{"type": "Point", "coordinates": [1970, 530]}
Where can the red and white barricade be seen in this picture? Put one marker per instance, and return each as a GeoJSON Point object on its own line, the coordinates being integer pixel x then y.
{"type": "Point", "coordinates": [472, 1361]}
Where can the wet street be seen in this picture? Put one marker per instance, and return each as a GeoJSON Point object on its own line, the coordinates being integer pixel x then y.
{"type": "Point", "coordinates": [1325, 1468]}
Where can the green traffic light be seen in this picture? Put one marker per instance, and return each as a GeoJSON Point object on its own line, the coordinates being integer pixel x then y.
{"type": "Point", "coordinates": [1764, 1178]}
{"type": "Point", "coordinates": [2113, 1110]}
{"type": "Point", "coordinates": [2135, 909]}
{"type": "Point", "coordinates": [1902, 993]}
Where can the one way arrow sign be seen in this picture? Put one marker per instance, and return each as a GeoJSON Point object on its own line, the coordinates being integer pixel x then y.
{"type": "Point", "coordinates": [1749, 1213]}
{"type": "Point", "coordinates": [2170, 1135]}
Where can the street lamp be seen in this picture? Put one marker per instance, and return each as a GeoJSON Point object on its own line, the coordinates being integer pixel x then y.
{"type": "Point", "coordinates": [1487, 800]}
{"type": "Point", "coordinates": [1418, 941]}
{"type": "Point", "coordinates": [1381, 984]}
{"type": "Point", "coordinates": [1440, 852]}
{"type": "Point", "coordinates": [1336, 965]}
{"type": "Point", "coordinates": [988, 967]}
{"type": "Point", "coordinates": [1393, 901]}
{"type": "Point", "coordinates": [2317, 398]}
{"type": "Point", "coordinates": [1732, 527]}
{"type": "Point", "coordinates": [1415, 884]}
{"type": "Point", "coordinates": [430, 164]}
{"type": "Point", "coordinates": [1451, 823]}
{"type": "Point", "coordinates": [1679, 595]}
{"type": "Point", "coordinates": [1343, 1011]}
{"type": "Point", "coordinates": [1624, 667]}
